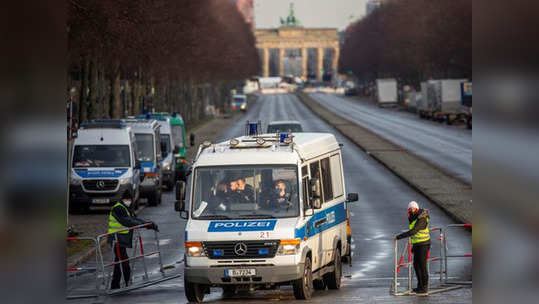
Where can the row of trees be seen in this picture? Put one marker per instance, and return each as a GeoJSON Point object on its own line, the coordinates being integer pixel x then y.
{"type": "Point", "coordinates": [165, 55]}
{"type": "Point", "coordinates": [412, 40]}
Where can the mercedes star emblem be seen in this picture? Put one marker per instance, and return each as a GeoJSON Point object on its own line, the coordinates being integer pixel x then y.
{"type": "Point", "coordinates": [100, 184]}
{"type": "Point", "coordinates": [240, 249]}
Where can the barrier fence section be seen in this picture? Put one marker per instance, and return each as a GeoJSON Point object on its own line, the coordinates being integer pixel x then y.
{"type": "Point", "coordinates": [447, 255]}
{"type": "Point", "coordinates": [73, 272]}
{"type": "Point", "coordinates": [407, 253]}
{"type": "Point", "coordinates": [104, 270]}
{"type": "Point", "coordinates": [139, 253]}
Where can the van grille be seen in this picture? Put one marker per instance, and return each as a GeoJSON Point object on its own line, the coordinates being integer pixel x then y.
{"type": "Point", "coordinates": [255, 249]}
{"type": "Point", "coordinates": [100, 184]}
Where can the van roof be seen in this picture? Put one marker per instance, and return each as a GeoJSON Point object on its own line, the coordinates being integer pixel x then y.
{"type": "Point", "coordinates": [103, 136]}
{"type": "Point", "coordinates": [305, 146]}
{"type": "Point", "coordinates": [142, 126]}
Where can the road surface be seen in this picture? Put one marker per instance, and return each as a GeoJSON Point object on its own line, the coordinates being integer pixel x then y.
{"type": "Point", "coordinates": [376, 218]}
{"type": "Point", "coordinates": [449, 147]}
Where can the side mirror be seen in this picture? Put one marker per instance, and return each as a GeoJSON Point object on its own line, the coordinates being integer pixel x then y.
{"type": "Point", "coordinates": [192, 139]}
{"type": "Point", "coordinates": [179, 206]}
{"type": "Point", "coordinates": [137, 164]}
{"type": "Point", "coordinates": [351, 197]}
{"type": "Point", "coordinates": [180, 191]}
{"type": "Point", "coordinates": [189, 171]}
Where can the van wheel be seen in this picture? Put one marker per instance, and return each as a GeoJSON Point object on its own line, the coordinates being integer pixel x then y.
{"type": "Point", "coordinates": [319, 285]}
{"type": "Point", "coordinates": [193, 292]}
{"type": "Point", "coordinates": [303, 287]}
{"type": "Point", "coordinates": [153, 199]}
{"type": "Point", "coordinates": [333, 279]}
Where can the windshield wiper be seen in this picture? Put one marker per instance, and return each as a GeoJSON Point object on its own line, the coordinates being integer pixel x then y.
{"type": "Point", "coordinates": [213, 217]}
{"type": "Point", "coordinates": [257, 215]}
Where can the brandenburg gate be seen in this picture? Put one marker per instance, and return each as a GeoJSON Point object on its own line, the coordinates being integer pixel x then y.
{"type": "Point", "coordinates": [291, 35]}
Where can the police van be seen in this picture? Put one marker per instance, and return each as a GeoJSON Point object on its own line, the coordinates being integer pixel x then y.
{"type": "Point", "coordinates": [266, 210]}
{"type": "Point", "coordinates": [168, 147]}
{"type": "Point", "coordinates": [103, 165]}
{"type": "Point", "coordinates": [148, 139]}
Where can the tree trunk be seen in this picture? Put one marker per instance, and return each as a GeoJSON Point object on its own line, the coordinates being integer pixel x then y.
{"type": "Point", "coordinates": [115, 92]}
{"type": "Point", "coordinates": [94, 88]}
{"type": "Point", "coordinates": [104, 94]}
{"type": "Point", "coordinates": [83, 103]}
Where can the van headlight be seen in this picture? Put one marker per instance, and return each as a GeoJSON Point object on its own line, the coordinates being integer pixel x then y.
{"type": "Point", "coordinates": [75, 181]}
{"type": "Point", "coordinates": [194, 249]}
{"type": "Point", "coordinates": [289, 247]}
{"type": "Point", "coordinates": [166, 166]}
{"type": "Point", "coordinates": [124, 180]}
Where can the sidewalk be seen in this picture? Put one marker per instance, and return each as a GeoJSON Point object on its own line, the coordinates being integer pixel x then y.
{"type": "Point", "coordinates": [451, 194]}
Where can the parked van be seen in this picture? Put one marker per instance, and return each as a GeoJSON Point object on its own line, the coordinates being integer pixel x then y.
{"type": "Point", "coordinates": [239, 102]}
{"type": "Point", "coordinates": [180, 146]}
{"type": "Point", "coordinates": [148, 139]}
{"type": "Point", "coordinates": [265, 211]}
{"type": "Point", "coordinates": [103, 165]}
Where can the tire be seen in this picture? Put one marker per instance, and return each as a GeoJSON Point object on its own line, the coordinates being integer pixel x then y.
{"type": "Point", "coordinates": [469, 123]}
{"type": "Point", "coordinates": [194, 292]}
{"type": "Point", "coordinates": [229, 291]}
{"type": "Point", "coordinates": [303, 287]}
{"type": "Point", "coordinates": [153, 199]}
{"type": "Point", "coordinates": [170, 185]}
{"type": "Point", "coordinates": [333, 279]}
{"type": "Point", "coordinates": [319, 285]}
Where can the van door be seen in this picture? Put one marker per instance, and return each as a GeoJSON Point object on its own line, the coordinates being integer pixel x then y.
{"type": "Point", "coordinates": [317, 222]}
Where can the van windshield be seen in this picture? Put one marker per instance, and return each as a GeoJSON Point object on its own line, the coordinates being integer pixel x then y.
{"type": "Point", "coordinates": [101, 156]}
{"type": "Point", "coordinates": [144, 147]}
{"type": "Point", "coordinates": [177, 136]}
{"type": "Point", "coordinates": [284, 128]}
{"type": "Point", "coordinates": [245, 192]}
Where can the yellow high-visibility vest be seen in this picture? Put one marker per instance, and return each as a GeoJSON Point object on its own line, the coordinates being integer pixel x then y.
{"type": "Point", "coordinates": [114, 225]}
{"type": "Point", "coordinates": [422, 235]}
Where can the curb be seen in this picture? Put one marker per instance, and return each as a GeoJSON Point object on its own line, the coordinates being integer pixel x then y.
{"type": "Point", "coordinates": [340, 123]}
{"type": "Point", "coordinates": [90, 251]}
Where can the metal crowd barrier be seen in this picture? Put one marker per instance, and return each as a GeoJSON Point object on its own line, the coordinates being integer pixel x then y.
{"type": "Point", "coordinates": [407, 253]}
{"type": "Point", "coordinates": [139, 252]}
{"type": "Point", "coordinates": [73, 272]}
{"type": "Point", "coordinates": [447, 255]}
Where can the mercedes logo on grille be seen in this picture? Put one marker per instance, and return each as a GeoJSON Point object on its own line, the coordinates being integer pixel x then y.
{"type": "Point", "coordinates": [240, 249]}
{"type": "Point", "coordinates": [100, 184]}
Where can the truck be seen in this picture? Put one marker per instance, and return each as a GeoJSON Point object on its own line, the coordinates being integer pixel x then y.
{"type": "Point", "coordinates": [386, 92]}
{"type": "Point", "coordinates": [442, 101]}
{"type": "Point", "coordinates": [258, 238]}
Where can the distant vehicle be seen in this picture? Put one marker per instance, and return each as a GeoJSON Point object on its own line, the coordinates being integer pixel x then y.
{"type": "Point", "coordinates": [284, 126]}
{"type": "Point", "coordinates": [442, 101]}
{"type": "Point", "coordinates": [103, 165]}
{"type": "Point", "coordinates": [350, 92]}
{"type": "Point", "coordinates": [148, 140]}
{"type": "Point", "coordinates": [386, 90]}
{"type": "Point", "coordinates": [239, 102]}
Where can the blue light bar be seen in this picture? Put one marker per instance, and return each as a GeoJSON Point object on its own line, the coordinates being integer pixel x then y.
{"type": "Point", "coordinates": [218, 252]}
{"type": "Point", "coordinates": [253, 128]}
{"type": "Point", "coordinates": [283, 136]}
{"type": "Point", "coordinates": [263, 251]}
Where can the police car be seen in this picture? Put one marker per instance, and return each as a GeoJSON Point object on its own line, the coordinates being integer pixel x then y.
{"type": "Point", "coordinates": [266, 210]}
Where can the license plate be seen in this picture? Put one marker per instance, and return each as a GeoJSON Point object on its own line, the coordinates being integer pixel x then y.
{"type": "Point", "coordinates": [100, 201]}
{"type": "Point", "coordinates": [240, 272]}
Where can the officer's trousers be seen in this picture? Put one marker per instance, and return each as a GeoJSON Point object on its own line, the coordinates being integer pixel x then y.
{"type": "Point", "coordinates": [117, 274]}
{"type": "Point", "coordinates": [420, 265]}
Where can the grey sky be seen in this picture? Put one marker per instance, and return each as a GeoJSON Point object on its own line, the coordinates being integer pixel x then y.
{"type": "Point", "coordinates": [311, 13]}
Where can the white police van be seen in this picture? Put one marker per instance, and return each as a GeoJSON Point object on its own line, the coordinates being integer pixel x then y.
{"type": "Point", "coordinates": [103, 165]}
{"type": "Point", "coordinates": [148, 139]}
{"type": "Point", "coordinates": [266, 210]}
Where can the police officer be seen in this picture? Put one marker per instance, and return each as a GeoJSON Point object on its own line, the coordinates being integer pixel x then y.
{"type": "Point", "coordinates": [420, 236]}
{"type": "Point", "coordinates": [121, 217]}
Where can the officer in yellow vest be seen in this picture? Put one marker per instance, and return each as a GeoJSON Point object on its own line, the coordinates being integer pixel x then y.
{"type": "Point", "coordinates": [121, 217]}
{"type": "Point", "coordinates": [420, 237]}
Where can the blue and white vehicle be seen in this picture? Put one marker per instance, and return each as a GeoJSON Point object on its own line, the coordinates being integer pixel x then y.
{"type": "Point", "coordinates": [103, 165]}
{"type": "Point", "coordinates": [266, 210]}
{"type": "Point", "coordinates": [148, 140]}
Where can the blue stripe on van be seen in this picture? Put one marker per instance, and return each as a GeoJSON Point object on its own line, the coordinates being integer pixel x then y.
{"type": "Point", "coordinates": [84, 173]}
{"type": "Point", "coordinates": [327, 219]}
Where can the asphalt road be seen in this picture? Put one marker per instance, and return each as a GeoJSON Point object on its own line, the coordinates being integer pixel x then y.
{"type": "Point", "coordinates": [376, 218]}
{"type": "Point", "coordinates": [449, 147]}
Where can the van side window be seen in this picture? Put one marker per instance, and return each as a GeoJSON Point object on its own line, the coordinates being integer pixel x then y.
{"type": "Point", "coordinates": [327, 187]}
{"type": "Point", "coordinates": [336, 175]}
{"type": "Point", "coordinates": [304, 171]}
{"type": "Point", "coordinates": [315, 173]}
